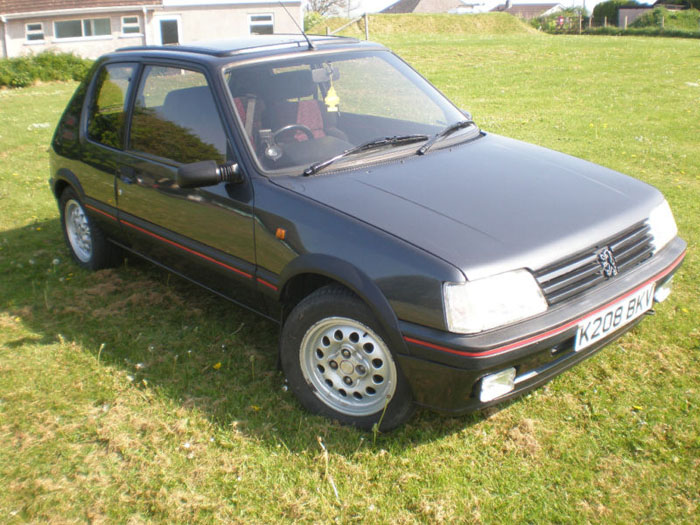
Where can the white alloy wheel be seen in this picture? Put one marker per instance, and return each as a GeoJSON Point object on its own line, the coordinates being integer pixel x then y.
{"type": "Point", "coordinates": [349, 366]}
{"type": "Point", "coordinates": [78, 230]}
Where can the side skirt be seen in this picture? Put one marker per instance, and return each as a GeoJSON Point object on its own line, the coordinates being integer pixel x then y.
{"type": "Point", "coordinates": [161, 265]}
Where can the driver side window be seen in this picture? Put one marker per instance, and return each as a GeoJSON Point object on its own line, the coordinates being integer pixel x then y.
{"type": "Point", "coordinates": [175, 117]}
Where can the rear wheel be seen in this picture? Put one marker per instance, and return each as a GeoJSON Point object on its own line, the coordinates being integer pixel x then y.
{"type": "Point", "coordinates": [86, 242]}
{"type": "Point", "coordinates": [338, 364]}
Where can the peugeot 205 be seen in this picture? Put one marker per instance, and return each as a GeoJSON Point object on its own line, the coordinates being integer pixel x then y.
{"type": "Point", "coordinates": [409, 257]}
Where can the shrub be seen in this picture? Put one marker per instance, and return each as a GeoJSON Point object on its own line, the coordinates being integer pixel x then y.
{"type": "Point", "coordinates": [550, 23]}
{"type": "Point", "coordinates": [687, 20]}
{"type": "Point", "coordinates": [312, 19]}
{"type": "Point", "coordinates": [46, 66]}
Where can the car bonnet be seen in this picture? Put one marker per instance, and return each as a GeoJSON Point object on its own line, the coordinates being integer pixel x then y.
{"type": "Point", "coordinates": [489, 205]}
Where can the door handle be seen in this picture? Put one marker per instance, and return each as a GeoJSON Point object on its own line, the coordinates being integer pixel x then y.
{"type": "Point", "coordinates": [127, 174]}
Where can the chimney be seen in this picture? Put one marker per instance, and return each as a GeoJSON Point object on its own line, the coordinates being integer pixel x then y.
{"type": "Point", "coordinates": [509, 4]}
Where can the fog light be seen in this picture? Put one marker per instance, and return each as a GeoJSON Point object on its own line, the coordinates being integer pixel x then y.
{"type": "Point", "coordinates": [496, 385]}
{"type": "Point", "coordinates": [663, 291]}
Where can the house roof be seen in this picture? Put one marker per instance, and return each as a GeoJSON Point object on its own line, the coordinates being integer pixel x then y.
{"type": "Point", "coordinates": [422, 6]}
{"type": "Point", "coordinates": [31, 6]}
{"type": "Point", "coordinates": [525, 10]}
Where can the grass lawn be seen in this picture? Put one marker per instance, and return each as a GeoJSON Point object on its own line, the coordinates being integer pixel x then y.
{"type": "Point", "coordinates": [130, 395]}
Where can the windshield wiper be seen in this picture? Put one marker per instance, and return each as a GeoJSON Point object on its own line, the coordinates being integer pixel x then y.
{"type": "Point", "coordinates": [444, 133]}
{"type": "Point", "coordinates": [372, 144]}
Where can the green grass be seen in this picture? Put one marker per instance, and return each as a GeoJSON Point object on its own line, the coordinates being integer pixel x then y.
{"type": "Point", "coordinates": [106, 415]}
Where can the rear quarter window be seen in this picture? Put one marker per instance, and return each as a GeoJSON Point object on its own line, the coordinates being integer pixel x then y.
{"type": "Point", "coordinates": [105, 123]}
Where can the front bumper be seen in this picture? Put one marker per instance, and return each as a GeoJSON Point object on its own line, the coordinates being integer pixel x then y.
{"type": "Point", "coordinates": [444, 369]}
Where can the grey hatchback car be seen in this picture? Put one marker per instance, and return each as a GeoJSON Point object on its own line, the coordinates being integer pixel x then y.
{"type": "Point", "coordinates": [409, 257]}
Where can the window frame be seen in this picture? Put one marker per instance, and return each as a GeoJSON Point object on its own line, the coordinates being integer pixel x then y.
{"type": "Point", "coordinates": [131, 25]}
{"type": "Point", "coordinates": [30, 32]}
{"type": "Point", "coordinates": [258, 23]}
{"type": "Point", "coordinates": [82, 30]}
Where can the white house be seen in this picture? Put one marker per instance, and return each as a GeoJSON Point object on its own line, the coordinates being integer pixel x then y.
{"type": "Point", "coordinates": [528, 11]}
{"type": "Point", "coordinates": [90, 28]}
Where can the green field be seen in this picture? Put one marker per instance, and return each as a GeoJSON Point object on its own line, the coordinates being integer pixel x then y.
{"type": "Point", "coordinates": [131, 396]}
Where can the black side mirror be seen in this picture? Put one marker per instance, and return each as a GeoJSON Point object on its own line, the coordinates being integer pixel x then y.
{"type": "Point", "coordinates": [207, 173]}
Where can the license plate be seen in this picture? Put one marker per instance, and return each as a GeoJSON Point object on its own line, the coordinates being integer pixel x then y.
{"type": "Point", "coordinates": [601, 324]}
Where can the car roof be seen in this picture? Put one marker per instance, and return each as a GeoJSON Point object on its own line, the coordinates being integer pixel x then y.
{"type": "Point", "coordinates": [247, 48]}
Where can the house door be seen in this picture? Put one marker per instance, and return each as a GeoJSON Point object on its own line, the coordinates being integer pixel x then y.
{"type": "Point", "coordinates": [169, 29]}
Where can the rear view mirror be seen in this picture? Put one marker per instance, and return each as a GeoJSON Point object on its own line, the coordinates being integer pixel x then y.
{"type": "Point", "coordinates": [207, 173]}
{"type": "Point", "coordinates": [323, 74]}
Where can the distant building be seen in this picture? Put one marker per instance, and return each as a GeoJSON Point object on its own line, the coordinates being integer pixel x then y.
{"type": "Point", "coordinates": [670, 7]}
{"type": "Point", "coordinates": [91, 28]}
{"type": "Point", "coordinates": [528, 11]}
{"type": "Point", "coordinates": [430, 6]}
{"type": "Point", "coordinates": [627, 15]}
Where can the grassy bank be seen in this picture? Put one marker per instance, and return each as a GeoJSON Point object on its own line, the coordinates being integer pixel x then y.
{"type": "Point", "coordinates": [424, 24]}
{"type": "Point", "coordinates": [113, 408]}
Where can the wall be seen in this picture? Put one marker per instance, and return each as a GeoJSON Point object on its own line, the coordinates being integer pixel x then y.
{"type": "Point", "coordinates": [220, 23]}
{"type": "Point", "coordinates": [631, 13]}
{"type": "Point", "coordinates": [216, 22]}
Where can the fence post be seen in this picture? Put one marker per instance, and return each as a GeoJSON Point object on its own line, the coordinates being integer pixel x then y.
{"type": "Point", "coordinates": [625, 21]}
{"type": "Point", "coordinates": [605, 21]}
{"type": "Point", "coordinates": [662, 21]}
{"type": "Point", "coordinates": [579, 24]}
{"type": "Point", "coordinates": [366, 26]}
{"type": "Point", "coordinates": [328, 30]}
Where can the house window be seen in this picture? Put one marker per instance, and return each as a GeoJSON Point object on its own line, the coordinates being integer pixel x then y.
{"type": "Point", "coordinates": [260, 24]}
{"type": "Point", "coordinates": [82, 28]}
{"type": "Point", "coordinates": [34, 31]}
{"type": "Point", "coordinates": [130, 25]}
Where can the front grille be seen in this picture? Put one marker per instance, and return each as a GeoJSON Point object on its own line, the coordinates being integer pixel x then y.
{"type": "Point", "coordinates": [576, 274]}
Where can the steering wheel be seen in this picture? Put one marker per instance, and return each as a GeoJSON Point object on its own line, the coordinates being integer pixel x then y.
{"type": "Point", "coordinates": [295, 127]}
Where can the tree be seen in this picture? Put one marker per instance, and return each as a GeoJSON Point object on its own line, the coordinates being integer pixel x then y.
{"type": "Point", "coordinates": [326, 7]}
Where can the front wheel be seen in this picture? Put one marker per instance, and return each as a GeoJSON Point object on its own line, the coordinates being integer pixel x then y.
{"type": "Point", "coordinates": [338, 364]}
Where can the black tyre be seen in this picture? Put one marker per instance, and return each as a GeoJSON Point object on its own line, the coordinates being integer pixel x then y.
{"type": "Point", "coordinates": [86, 242]}
{"type": "Point", "coordinates": [338, 364]}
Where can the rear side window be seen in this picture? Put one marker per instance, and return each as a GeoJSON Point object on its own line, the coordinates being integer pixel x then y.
{"type": "Point", "coordinates": [175, 117]}
{"type": "Point", "coordinates": [108, 105]}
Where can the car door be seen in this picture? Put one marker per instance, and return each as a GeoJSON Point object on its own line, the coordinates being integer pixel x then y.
{"type": "Point", "coordinates": [205, 234]}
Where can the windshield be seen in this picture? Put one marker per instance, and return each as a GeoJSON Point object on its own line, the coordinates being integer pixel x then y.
{"type": "Point", "coordinates": [302, 111]}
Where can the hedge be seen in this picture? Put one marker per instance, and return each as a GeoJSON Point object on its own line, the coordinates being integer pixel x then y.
{"type": "Point", "coordinates": [45, 66]}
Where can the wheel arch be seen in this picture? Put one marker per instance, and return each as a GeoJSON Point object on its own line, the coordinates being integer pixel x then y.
{"type": "Point", "coordinates": [309, 272]}
{"type": "Point", "coordinates": [65, 178]}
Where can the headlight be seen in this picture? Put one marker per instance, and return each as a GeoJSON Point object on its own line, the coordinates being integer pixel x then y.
{"type": "Point", "coordinates": [476, 306]}
{"type": "Point", "coordinates": [662, 225]}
